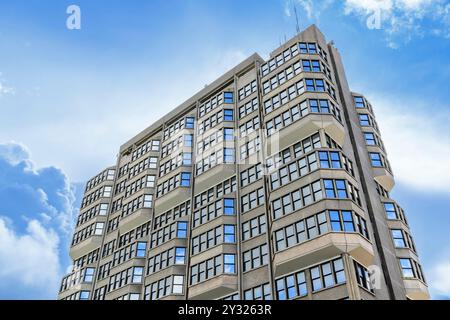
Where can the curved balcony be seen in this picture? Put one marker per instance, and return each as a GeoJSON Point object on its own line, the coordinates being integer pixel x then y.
{"type": "Point", "coordinates": [84, 247]}
{"type": "Point", "coordinates": [416, 289]}
{"type": "Point", "coordinates": [134, 220]}
{"type": "Point", "coordinates": [321, 248]}
{"type": "Point", "coordinates": [167, 201]}
{"type": "Point", "coordinates": [214, 176]}
{"type": "Point", "coordinates": [305, 127]}
{"type": "Point", "coordinates": [214, 288]}
{"type": "Point", "coordinates": [384, 178]}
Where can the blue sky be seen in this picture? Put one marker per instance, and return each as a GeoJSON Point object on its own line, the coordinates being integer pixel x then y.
{"type": "Point", "coordinates": [70, 98]}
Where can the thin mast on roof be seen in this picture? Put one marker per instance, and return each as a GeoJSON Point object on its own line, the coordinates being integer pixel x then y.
{"type": "Point", "coordinates": [296, 18]}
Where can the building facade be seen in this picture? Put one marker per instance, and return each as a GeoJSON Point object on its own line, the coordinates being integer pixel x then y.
{"type": "Point", "coordinates": [270, 183]}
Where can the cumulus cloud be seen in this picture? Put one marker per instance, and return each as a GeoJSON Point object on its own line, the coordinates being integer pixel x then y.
{"type": "Point", "coordinates": [30, 267]}
{"type": "Point", "coordinates": [36, 221]}
{"type": "Point", "coordinates": [440, 280]}
{"type": "Point", "coordinates": [401, 20]}
{"type": "Point", "coordinates": [417, 142]}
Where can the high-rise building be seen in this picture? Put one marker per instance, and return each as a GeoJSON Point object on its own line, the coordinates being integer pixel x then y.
{"type": "Point", "coordinates": [270, 183]}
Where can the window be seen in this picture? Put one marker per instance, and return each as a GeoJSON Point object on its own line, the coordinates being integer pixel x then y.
{"type": "Point", "coordinates": [229, 234]}
{"type": "Point", "coordinates": [103, 209]}
{"type": "Point", "coordinates": [364, 120]}
{"type": "Point", "coordinates": [252, 200]}
{"type": "Point", "coordinates": [88, 274]}
{"type": "Point", "coordinates": [363, 277]}
{"type": "Point", "coordinates": [254, 227]}
{"type": "Point", "coordinates": [228, 97]}
{"type": "Point", "coordinates": [99, 228]}
{"type": "Point", "coordinates": [407, 268]}
{"type": "Point", "coordinates": [329, 188]}
{"type": "Point", "coordinates": [359, 102]}
{"type": "Point", "coordinates": [185, 179]}
{"type": "Point", "coordinates": [370, 139]}
{"type": "Point", "coordinates": [390, 211]}
{"type": "Point", "coordinates": [312, 48]}
{"type": "Point", "coordinates": [181, 229]}
{"type": "Point", "coordinates": [141, 248]}
{"type": "Point", "coordinates": [177, 286]}
{"type": "Point", "coordinates": [306, 65]}
{"type": "Point", "coordinates": [137, 274]}
{"type": "Point", "coordinates": [188, 138]}
{"type": "Point", "coordinates": [229, 263]}
{"type": "Point", "coordinates": [228, 206]}
{"type": "Point", "coordinates": [84, 295]}
{"type": "Point", "coordinates": [148, 201]}
{"type": "Point", "coordinates": [327, 274]}
{"type": "Point", "coordinates": [228, 155]}
{"type": "Point", "coordinates": [228, 134]}
{"type": "Point", "coordinates": [228, 115]}
{"type": "Point", "coordinates": [261, 292]}
{"type": "Point", "coordinates": [107, 192]}
{"type": "Point", "coordinates": [341, 221]}
{"type": "Point", "coordinates": [189, 123]}
{"type": "Point", "coordinates": [187, 159]}
{"type": "Point", "coordinates": [375, 159]}
{"type": "Point", "coordinates": [180, 254]}
{"type": "Point", "coordinates": [255, 258]}
{"type": "Point", "coordinates": [291, 286]}
{"type": "Point", "coordinates": [399, 238]}
{"type": "Point", "coordinates": [315, 66]}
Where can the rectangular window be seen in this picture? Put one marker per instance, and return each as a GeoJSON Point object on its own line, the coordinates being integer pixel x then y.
{"type": "Point", "coordinates": [363, 277]}
{"type": "Point", "coordinates": [370, 139]}
{"type": "Point", "coordinates": [185, 179]}
{"type": "Point", "coordinates": [228, 206]}
{"type": "Point", "coordinates": [399, 238]}
{"type": "Point", "coordinates": [141, 248]}
{"type": "Point", "coordinates": [181, 229]}
{"type": "Point", "coordinates": [375, 159]}
{"type": "Point", "coordinates": [88, 274]}
{"type": "Point", "coordinates": [364, 120]}
{"type": "Point", "coordinates": [180, 255]}
{"type": "Point", "coordinates": [391, 212]}
{"type": "Point", "coordinates": [407, 268]}
{"type": "Point", "coordinates": [229, 265]}
{"type": "Point", "coordinates": [229, 234]}
{"type": "Point", "coordinates": [359, 102]}
{"type": "Point", "coordinates": [189, 123]}
{"type": "Point", "coordinates": [137, 274]}
{"type": "Point", "coordinates": [228, 115]}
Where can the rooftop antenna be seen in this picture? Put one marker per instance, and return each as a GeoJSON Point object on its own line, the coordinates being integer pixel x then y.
{"type": "Point", "coordinates": [296, 19]}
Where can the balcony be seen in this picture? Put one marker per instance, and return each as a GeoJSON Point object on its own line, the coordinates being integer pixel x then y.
{"type": "Point", "coordinates": [322, 248]}
{"type": "Point", "coordinates": [384, 178]}
{"type": "Point", "coordinates": [85, 246]}
{"type": "Point", "coordinates": [416, 289]}
{"type": "Point", "coordinates": [305, 127]}
{"type": "Point", "coordinates": [78, 287]}
{"type": "Point", "coordinates": [214, 288]}
{"type": "Point", "coordinates": [134, 220]}
{"type": "Point", "coordinates": [170, 199]}
{"type": "Point", "coordinates": [214, 176]}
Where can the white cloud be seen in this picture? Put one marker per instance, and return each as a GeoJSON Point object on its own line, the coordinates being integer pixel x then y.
{"type": "Point", "coordinates": [29, 260]}
{"type": "Point", "coordinates": [404, 19]}
{"type": "Point", "coordinates": [401, 20]}
{"type": "Point", "coordinates": [36, 222]}
{"type": "Point", "coordinates": [313, 8]}
{"type": "Point", "coordinates": [417, 143]}
{"type": "Point", "coordinates": [4, 89]}
{"type": "Point", "coordinates": [439, 280]}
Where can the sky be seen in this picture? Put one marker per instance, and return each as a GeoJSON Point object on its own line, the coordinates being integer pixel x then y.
{"type": "Point", "coordinates": [70, 98]}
